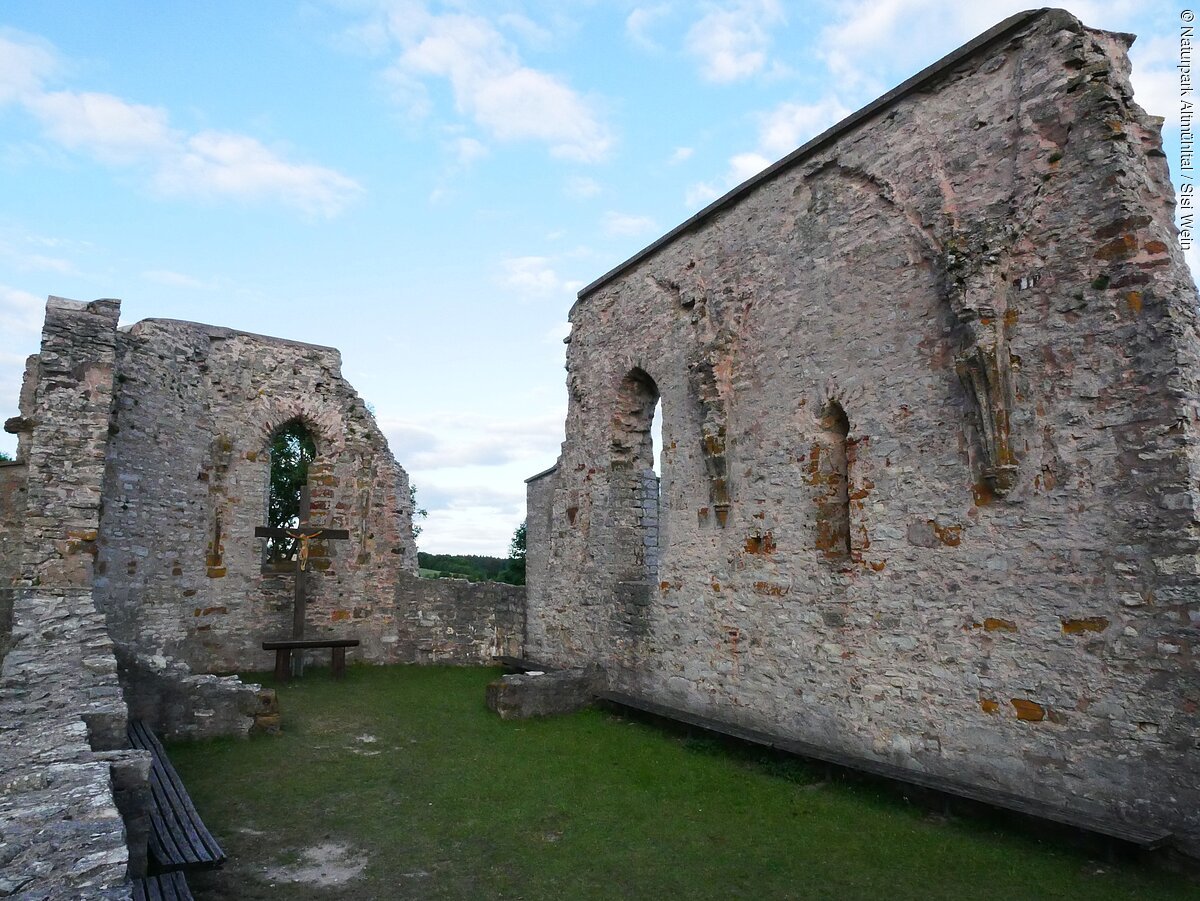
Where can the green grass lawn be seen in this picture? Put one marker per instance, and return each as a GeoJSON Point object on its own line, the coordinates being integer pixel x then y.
{"type": "Point", "coordinates": [398, 783]}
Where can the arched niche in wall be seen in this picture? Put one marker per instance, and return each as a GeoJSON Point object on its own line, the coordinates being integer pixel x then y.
{"type": "Point", "coordinates": [830, 470]}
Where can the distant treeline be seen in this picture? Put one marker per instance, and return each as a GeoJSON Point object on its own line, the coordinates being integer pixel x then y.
{"type": "Point", "coordinates": [472, 567]}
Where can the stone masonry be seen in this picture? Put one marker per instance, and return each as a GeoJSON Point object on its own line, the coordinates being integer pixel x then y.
{"type": "Point", "coordinates": [130, 577]}
{"type": "Point", "coordinates": [930, 464]}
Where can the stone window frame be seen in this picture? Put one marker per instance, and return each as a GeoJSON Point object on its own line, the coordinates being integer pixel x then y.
{"type": "Point", "coordinates": [267, 565]}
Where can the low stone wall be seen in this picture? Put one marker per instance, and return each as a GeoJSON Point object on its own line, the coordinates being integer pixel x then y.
{"type": "Point", "coordinates": [179, 704]}
{"type": "Point", "coordinates": [456, 621]}
{"type": "Point", "coordinates": [65, 778]}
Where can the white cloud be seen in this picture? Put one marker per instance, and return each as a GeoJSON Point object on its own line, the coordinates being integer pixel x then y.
{"type": "Point", "coordinates": [21, 313]}
{"type": "Point", "coordinates": [639, 23]}
{"type": "Point", "coordinates": [741, 167]}
{"type": "Point", "coordinates": [731, 41]}
{"type": "Point", "coordinates": [789, 125]}
{"type": "Point", "coordinates": [107, 127]}
{"type": "Point", "coordinates": [680, 155]}
{"type": "Point", "coordinates": [116, 132]}
{"type": "Point", "coordinates": [468, 150]}
{"type": "Point", "coordinates": [492, 87]}
{"type": "Point", "coordinates": [25, 64]}
{"type": "Point", "coordinates": [626, 225]}
{"type": "Point", "coordinates": [580, 187]}
{"type": "Point", "coordinates": [1155, 77]}
{"type": "Point", "coordinates": [213, 163]}
{"type": "Point", "coordinates": [535, 276]}
{"type": "Point", "coordinates": [173, 279]}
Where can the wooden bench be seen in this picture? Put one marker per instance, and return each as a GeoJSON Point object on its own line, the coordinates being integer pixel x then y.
{"type": "Point", "coordinates": [163, 887]}
{"type": "Point", "coordinates": [1144, 837]}
{"type": "Point", "coordinates": [179, 840]}
{"type": "Point", "coordinates": [283, 653]}
{"type": "Point", "coordinates": [521, 665]}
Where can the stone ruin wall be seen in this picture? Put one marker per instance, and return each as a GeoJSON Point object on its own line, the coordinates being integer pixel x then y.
{"type": "Point", "coordinates": [982, 271]}
{"type": "Point", "coordinates": [180, 571]}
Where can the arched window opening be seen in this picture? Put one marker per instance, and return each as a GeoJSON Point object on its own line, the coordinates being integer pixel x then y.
{"type": "Point", "coordinates": [656, 439]}
{"type": "Point", "coordinates": [292, 450]}
{"type": "Point", "coordinates": [635, 474]}
{"type": "Point", "coordinates": [831, 465]}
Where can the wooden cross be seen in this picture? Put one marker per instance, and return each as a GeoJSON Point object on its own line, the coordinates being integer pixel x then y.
{"type": "Point", "coordinates": [303, 533]}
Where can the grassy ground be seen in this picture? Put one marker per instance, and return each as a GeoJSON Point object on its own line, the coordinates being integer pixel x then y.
{"type": "Point", "coordinates": [398, 783]}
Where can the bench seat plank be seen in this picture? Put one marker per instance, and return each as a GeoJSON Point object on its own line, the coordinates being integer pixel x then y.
{"type": "Point", "coordinates": [163, 887]}
{"type": "Point", "coordinates": [1145, 837]}
{"type": "Point", "coordinates": [294, 644]}
{"type": "Point", "coordinates": [178, 837]}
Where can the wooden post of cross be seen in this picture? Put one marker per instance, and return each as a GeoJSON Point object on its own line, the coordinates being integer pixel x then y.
{"type": "Point", "coordinates": [303, 533]}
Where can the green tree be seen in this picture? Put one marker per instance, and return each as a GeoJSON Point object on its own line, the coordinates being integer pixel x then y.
{"type": "Point", "coordinates": [418, 512]}
{"type": "Point", "coordinates": [292, 449]}
{"type": "Point", "coordinates": [5, 458]}
{"type": "Point", "coordinates": [514, 571]}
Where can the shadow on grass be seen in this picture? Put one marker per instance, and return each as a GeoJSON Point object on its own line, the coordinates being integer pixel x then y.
{"type": "Point", "coordinates": [398, 783]}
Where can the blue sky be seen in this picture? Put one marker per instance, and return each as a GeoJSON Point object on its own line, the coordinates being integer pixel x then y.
{"type": "Point", "coordinates": [424, 186]}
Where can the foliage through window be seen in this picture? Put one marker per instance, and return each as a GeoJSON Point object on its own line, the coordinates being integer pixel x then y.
{"type": "Point", "coordinates": [292, 450]}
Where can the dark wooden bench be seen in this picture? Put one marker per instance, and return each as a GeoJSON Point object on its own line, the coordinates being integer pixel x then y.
{"type": "Point", "coordinates": [163, 887]}
{"type": "Point", "coordinates": [521, 665]}
{"type": "Point", "coordinates": [283, 653]}
{"type": "Point", "coordinates": [179, 840]}
{"type": "Point", "coordinates": [1146, 838]}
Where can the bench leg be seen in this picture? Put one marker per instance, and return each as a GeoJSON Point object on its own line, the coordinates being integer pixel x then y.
{"type": "Point", "coordinates": [339, 662]}
{"type": "Point", "coordinates": [283, 665]}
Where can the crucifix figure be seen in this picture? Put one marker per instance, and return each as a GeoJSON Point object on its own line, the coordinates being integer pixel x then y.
{"type": "Point", "coordinates": [302, 533]}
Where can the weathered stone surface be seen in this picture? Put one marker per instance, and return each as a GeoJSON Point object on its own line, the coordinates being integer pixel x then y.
{"type": "Point", "coordinates": [456, 621]}
{"type": "Point", "coordinates": [524, 695]}
{"type": "Point", "coordinates": [64, 780]}
{"type": "Point", "coordinates": [179, 571]}
{"type": "Point", "coordinates": [983, 274]}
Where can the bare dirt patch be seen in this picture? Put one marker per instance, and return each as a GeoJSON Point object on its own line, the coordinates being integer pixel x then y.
{"type": "Point", "coordinates": [327, 865]}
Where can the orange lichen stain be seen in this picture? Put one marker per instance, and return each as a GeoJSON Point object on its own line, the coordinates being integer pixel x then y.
{"type": "Point", "coordinates": [196, 612]}
{"type": "Point", "coordinates": [716, 586]}
{"type": "Point", "coordinates": [1155, 247]}
{"type": "Point", "coordinates": [1010, 317]}
{"type": "Point", "coordinates": [1134, 301]}
{"type": "Point", "coordinates": [770, 589]}
{"type": "Point", "coordinates": [702, 515]}
{"type": "Point", "coordinates": [999, 625]}
{"type": "Point", "coordinates": [664, 586]}
{"type": "Point", "coordinates": [204, 628]}
{"type": "Point", "coordinates": [572, 512]}
{"type": "Point", "coordinates": [252, 456]}
{"type": "Point", "coordinates": [988, 705]}
{"type": "Point", "coordinates": [339, 615]}
{"type": "Point", "coordinates": [863, 491]}
{"type": "Point", "coordinates": [1086, 624]}
{"type": "Point", "coordinates": [951, 536]}
{"type": "Point", "coordinates": [986, 320]}
{"type": "Point", "coordinates": [216, 572]}
{"type": "Point", "coordinates": [878, 566]}
{"type": "Point", "coordinates": [760, 515]}
{"type": "Point", "coordinates": [983, 494]}
{"type": "Point", "coordinates": [209, 611]}
{"type": "Point", "coordinates": [1122, 246]}
{"type": "Point", "coordinates": [1030, 711]}
{"type": "Point", "coordinates": [760, 544]}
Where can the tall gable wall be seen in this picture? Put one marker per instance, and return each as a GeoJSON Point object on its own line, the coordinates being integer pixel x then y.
{"type": "Point", "coordinates": [982, 273]}
{"type": "Point", "coordinates": [180, 572]}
